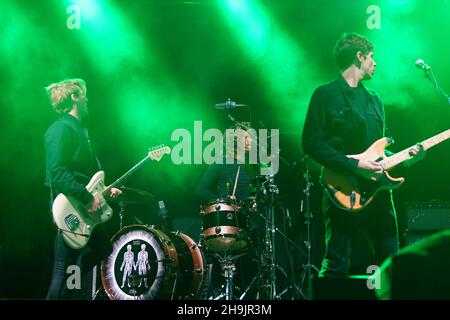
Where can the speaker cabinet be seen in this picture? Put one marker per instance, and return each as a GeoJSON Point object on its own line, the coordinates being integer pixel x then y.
{"type": "Point", "coordinates": [424, 219]}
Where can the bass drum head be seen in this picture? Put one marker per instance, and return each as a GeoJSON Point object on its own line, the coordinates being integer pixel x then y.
{"type": "Point", "coordinates": [136, 268]}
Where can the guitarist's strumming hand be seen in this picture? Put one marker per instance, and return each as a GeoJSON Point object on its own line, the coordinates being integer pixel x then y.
{"type": "Point", "coordinates": [96, 202]}
{"type": "Point", "coordinates": [94, 205]}
{"type": "Point", "coordinates": [369, 169]}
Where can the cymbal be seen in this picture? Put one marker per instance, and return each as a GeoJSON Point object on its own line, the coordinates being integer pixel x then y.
{"type": "Point", "coordinates": [133, 196]}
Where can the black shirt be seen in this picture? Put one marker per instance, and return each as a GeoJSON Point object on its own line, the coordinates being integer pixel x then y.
{"type": "Point", "coordinates": [221, 179]}
{"type": "Point", "coordinates": [70, 161]}
{"type": "Point", "coordinates": [341, 120]}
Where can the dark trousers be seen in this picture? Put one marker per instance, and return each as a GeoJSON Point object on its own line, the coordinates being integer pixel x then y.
{"type": "Point", "coordinates": [375, 226]}
{"type": "Point", "coordinates": [98, 248]}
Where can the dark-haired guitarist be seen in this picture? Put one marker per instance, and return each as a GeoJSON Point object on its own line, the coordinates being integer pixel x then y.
{"type": "Point", "coordinates": [345, 118]}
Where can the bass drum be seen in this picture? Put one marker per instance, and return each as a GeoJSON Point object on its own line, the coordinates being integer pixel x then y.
{"type": "Point", "coordinates": [149, 264]}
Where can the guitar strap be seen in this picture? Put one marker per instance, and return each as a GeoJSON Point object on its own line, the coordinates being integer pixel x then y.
{"type": "Point", "coordinates": [51, 201]}
{"type": "Point", "coordinates": [75, 233]}
{"type": "Point", "coordinates": [93, 154]}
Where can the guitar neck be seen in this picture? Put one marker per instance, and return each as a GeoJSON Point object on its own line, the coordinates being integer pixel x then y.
{"type": "Point", "coordinates": [121, 181]}
{"type": "Point", "coordinates": [431, 142]}
{"type": "Point", "coordinates": [403, 155]}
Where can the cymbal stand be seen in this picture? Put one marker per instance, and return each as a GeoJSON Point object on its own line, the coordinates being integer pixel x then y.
{"type": "Point", "coordinates": [122, 206]}
{"type": "Point", "coordinates": [306, 275]}
{"type": "Point", "coordinates": [229, 268]}
{"type": "Point", "coordinates": [267, 266]}
{"type": "Point", "coordinates": [270, 189]}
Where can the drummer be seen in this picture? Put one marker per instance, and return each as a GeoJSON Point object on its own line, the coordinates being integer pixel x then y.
{"type": "Point", "coordinates": [232, 179]}
{"type": "Point", "coordinates": [234, 182]}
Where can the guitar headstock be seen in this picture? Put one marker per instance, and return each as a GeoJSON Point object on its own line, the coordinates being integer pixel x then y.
{"type": "Point", "coordinates": [156, 153]}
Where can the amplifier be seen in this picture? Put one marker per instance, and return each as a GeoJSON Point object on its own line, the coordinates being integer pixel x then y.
{"type": "Point", "coordinates": [427, 216]}
{"type": "Point", "coordinates": [412, 237]}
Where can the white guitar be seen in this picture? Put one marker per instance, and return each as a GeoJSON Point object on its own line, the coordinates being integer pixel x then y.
{"type": "Point", "coordinates": [71, 215]}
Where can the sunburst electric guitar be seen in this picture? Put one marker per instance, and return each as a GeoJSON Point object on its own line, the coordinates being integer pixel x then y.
{"type": "Point", "coordinates": [353, 193]}
{"type": "Point", "coordinates": [71, 215]}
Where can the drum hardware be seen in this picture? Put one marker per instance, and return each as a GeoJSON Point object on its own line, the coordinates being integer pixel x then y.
{"type": "Point", "coordinates": [121, 213]}
{"type": "Point", "coordinates": [306, 275]}
{"type": "Point", "coordinates": [130, 196]}
{"type": "Point", "coordinates": [176, 276]}
{"type": "Point", "coordinates": [268, 257]}
{"type": "Point", "coordinates": [140, 222]}
{"type": "Point", "coordinates": [268, 281]}
{"type": "Point", "coordinates": [133, 196]}
{"type": "Point", "coordinates": [228, 268]}
{"type": "Point", "coordinates": [166, 219]}
{"type": "Point", "coordinates": [94, 296]}
{"type": "Point", "coordinates": [248, 287]}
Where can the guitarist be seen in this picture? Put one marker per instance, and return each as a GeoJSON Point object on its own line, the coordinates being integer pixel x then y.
{"type": "Point", "coordinates": [344, 117]}
{"type": "Point", "coordinates": [70, 163]}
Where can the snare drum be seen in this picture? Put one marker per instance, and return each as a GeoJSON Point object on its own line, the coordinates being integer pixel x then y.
{"type": "Point", "coordinates": [223, 227]}
{"type": "Point", "coordinates": [148, 264]}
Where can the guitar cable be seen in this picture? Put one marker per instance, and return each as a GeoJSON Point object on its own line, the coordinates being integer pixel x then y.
{"type": "Point", "coordinates": [75, 233]}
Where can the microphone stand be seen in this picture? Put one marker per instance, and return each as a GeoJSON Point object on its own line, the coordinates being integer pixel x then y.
{"type": "Point", "coordinates": [430, 76]}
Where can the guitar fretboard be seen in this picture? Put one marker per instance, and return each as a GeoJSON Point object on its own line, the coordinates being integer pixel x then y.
{"type": "Point", "coordinates": [431, 142]}
{"type": "Point", "coordinates": [403, 155]}
{"type": "Point", "coordinates": [121, 181]}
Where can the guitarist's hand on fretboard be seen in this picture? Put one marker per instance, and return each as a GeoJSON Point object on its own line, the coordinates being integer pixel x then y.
{"type": "Point", "coordinates": [114, 192]}
{"type": "Point", "coordinates": [416, 154]}
{"type": "Point", "coordinates": [369, 169]}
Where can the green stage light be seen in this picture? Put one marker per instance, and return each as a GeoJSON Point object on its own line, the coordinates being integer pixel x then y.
{"type": "Point", "coordinates": [280, 60]}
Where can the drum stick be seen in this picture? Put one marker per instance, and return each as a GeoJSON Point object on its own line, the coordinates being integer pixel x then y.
{"type": "Point", "coordinates": [235, 181]}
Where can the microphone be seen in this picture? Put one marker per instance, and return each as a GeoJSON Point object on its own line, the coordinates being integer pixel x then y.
{"type": "Point", "coordinates": [164, 214]}
{"type": "Point", "coordinates": [229, 105]}
{"type": "Point", "coordinates": [420, 64]}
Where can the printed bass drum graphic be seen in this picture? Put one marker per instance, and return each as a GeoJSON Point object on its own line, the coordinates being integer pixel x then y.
{"type": "Point", "coordinates": [148, 264]}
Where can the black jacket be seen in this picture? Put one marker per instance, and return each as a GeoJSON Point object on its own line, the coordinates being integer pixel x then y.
{"type": "Point", "coordinates": [70, 161]}
{"type": "Point", "coordinates": [218, 182]}
{"type": "Point", "coordinates": [335, 126]}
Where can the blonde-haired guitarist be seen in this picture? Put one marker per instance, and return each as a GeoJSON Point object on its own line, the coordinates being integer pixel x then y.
{"type": "Point", "coordinates": [70, 163]}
